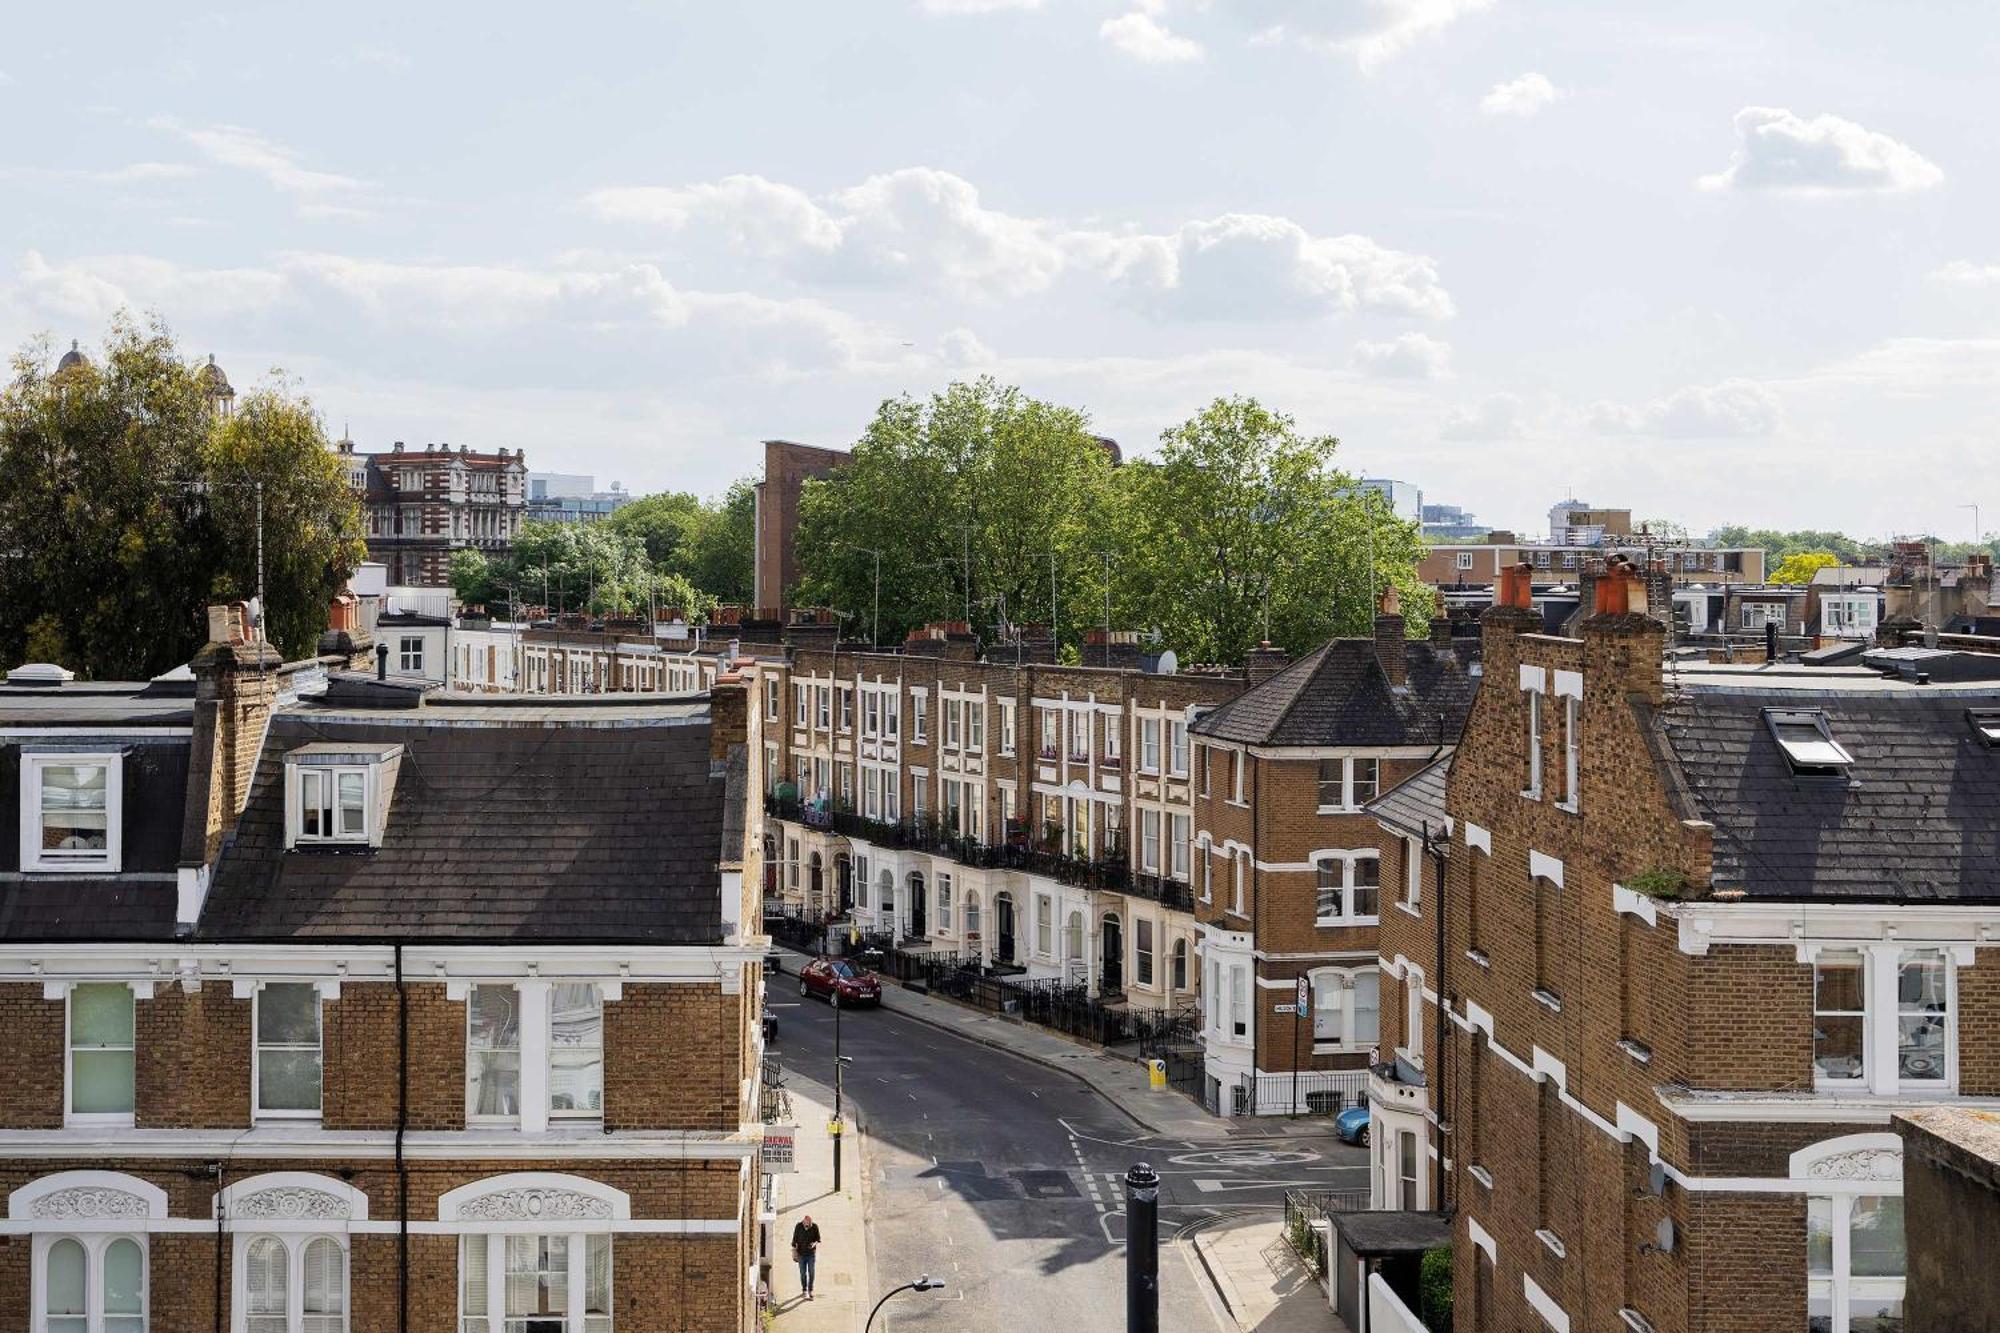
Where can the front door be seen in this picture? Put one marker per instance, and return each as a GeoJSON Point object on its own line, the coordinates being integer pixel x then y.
{"type": "Point", "coordinates": [843, 870]}
{"type": "Point", "coordinates": [1003, 929]}
{"type": "Point", "coordinates": [1111, 964]}
{"type": "Point", "coordinates": [918, 899]}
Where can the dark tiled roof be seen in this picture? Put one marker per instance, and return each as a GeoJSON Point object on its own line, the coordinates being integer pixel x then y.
{"type": "Point", "coordinates": [1417, 802]}
{"type": "Point", "coordinates": [1338, 695]}
{"type": "Point", "coordinates": [100, 909]}
{"type": "Point", "coordinates": [499, 829]}
{"type": "Point", "coordinates": [1920, 821]}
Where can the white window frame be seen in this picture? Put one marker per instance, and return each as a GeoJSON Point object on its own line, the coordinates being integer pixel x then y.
{"type": "Point", "coordinates": [1870, 1167]}
{"type": "Point", "coordinates": [1149, 841]}
{"type": "Point", "coordinates": [575, 1114]}
{"type": "Point", "coordinates": [1236, 765]}
{"type": "Point", "coordinates": [1149, 745]}
{"type": "Point", "coordinates": [771, 700]}
{"type": "Point", "coordinates": [1881, 1058]}
{"type": "Point", "coordinates": [473, 1117]}
{"type": "Point", "coordinates": [1180, 834]}
{"type": "Point", "coordinates": [575, 1320]}
{"type": "Point", "coordinates": [1765, 613]}
{"type": "Point", "coordinates": [115, 1119]}
{"type": "Point", "coordinates": [1413, 874]}
{"type": "Point", "coordinates": [410, 654]}
{"type": "Point", "coordinates": [1348, 860]}
{"type": "Point", "coordinates": [1533, 791]}
{"type": "Point", "coordinates": [1572, 725]}
{"type": "Point", "coordinates": [919, 718]}
{"type": "Point", "coordinates": [1006, 726]}
{"type": "Point", "coordinates": [330, 774]}
{"type": "Point", "coordinates": [257, 1055]}
{"type": "Point", "coordinates": [1177, 747]}
{"type": "Point", "coordinates": [941, 918]}
{"type": "Point", "coordinates": [975, 726]}
{"type": "Point", "coordinates": [111, 859]}
{"type": "Point", "coordinates": [1044, 925]}
{"type": "Point", "coordinates": [1145, 958]}
{"type": "Point", "coordinates": [953, 736]}
{"type": "Point", "coordinates": [95, 1244]}
{"type": "Point", "coordinates": [801, 704]}
{"type": "Point", "coordinates": [294, 1244]}
{"type": "Point", "coordinates": [1464, 560]}
{"type": "Point", "coordinates": [1342, 981]}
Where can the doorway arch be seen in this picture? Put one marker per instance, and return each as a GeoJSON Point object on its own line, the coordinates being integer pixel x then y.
{"type": "Point", "coordinates": [1111, 953]}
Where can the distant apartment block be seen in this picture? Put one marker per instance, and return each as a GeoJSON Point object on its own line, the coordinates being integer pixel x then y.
{"type": "Point", "coordinates": [787, 469]}
{"type": "Point", "coordinates": [422, 505]}
{"type": "Point", "coordinates": [567, 497]}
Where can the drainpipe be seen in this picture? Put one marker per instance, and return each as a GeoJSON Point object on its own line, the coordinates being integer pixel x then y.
{"type": "Point", "coordinates": [402, 1167]}
{"type": "Point", "coordinates": [1437, 849]}
{"type": "Point", "coordinates": [220, 1243]}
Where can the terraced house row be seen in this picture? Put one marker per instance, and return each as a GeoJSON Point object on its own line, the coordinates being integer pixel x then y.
{"type": "Point", "coordinates": [1192, 841]}
{"type": "Point", "coordinates": [336, 1003]}
{"type": "Point", "coordinates": [1681, 939]}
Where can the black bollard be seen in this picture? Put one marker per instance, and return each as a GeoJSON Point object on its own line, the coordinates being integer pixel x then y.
{"type": "Point", "coordinates": [1142, 1250]}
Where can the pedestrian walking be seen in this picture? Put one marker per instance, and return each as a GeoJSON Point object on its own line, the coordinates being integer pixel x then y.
{"type": "Point", "coordinates": [805, 1249]}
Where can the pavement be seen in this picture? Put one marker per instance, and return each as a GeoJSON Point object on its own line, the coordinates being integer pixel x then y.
{"type": "Point", "coordinates": [1262, 1281]}
{"type": "Point", "coordinates": [1001, 1173]}
{"type": "Point", "coordinates": [840, 1286]}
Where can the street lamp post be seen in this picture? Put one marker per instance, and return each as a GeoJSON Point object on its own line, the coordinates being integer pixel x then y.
{"type": "Point", "coordinates": [923, 1283]}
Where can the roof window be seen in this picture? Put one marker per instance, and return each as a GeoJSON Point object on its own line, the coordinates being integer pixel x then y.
{"type": "Point", "coordinates": [1807, 743]}
{"type": "Point", "coordinates": [1985, 725]}
{"type": "Point", "coordinates": [337, 795]}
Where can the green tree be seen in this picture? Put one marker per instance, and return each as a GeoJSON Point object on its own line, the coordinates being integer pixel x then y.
{"type": "Point", "coordinates": [1777, 546]}
{"type": "Point", "coordinates": [472, 578]}
{"type": "Point", "coordinates": [982, 501]}
{"type": "Point", "coordinates": [1242, 522]}
{"type": "Point", "coordinates": [1800, 566]}
{"type": "Point", "coordinates": [125, 507]}
{"type": "Point", "coordinates": [577, 567]}
{"type": "Point", "coordinates": [723, 557]}
{"type": "Point", "coordinates": [667, 523]}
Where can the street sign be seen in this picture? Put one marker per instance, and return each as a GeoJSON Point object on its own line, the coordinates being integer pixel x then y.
{"type": "Point", "coordinates": [1305, 997]}
{"type": "Point", "coordinates": [1284, 1009]}
{"type": "Point", "coordinates": [780, 1143]}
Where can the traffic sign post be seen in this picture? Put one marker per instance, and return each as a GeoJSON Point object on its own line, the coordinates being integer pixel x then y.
{"type": "Point", "coordinates": [1300, 1009]}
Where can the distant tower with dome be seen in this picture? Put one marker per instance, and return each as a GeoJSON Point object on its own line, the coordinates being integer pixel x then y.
{"type": "Point", "coordinates": [215, 389]}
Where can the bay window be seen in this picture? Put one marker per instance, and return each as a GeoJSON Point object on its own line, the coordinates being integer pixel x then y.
{"type": "Point", "coordinates": [100, 1053]}
{"type": "Point", "coordinates": [71, 812]}
{"type": "Point", "coordinates": [288, 1055]}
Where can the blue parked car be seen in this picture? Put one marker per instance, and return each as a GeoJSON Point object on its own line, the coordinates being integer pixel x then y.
{"type": "Point", "coordinates": [1352, 1125]}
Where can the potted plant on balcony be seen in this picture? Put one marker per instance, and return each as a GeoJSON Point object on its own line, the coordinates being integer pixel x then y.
{"type": "Point", "coordinates": [1052, 837]}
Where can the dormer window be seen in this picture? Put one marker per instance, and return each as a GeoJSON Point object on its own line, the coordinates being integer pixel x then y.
{"type": "Point", "coordinates": [337, 795]}
{"type": "Point", "coordinates": [1807, 743]}
{"type": "Point", "coordinates": [71, 812]}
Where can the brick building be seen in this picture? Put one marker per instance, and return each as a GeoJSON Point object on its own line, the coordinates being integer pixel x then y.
{"type": "Point", "coordinates": [1032, 818]}
{"type": "Point", "coordinates": [420, 507]}
{"type": "Point", "coordinates": [344, 1004]}
{"type": "Point", "coordinates": [1703, 934]}
{"type": "Point", "coordinates": [787, 469]}
{"type": "Point", "coordinates": [1288, 869]}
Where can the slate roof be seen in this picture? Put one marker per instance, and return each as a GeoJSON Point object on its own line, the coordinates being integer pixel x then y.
{"type": "Point", "coordinates": [605, 826]}
{"type": "Point", "coordinates": [1417, 802]}
{"type": "Point", "coordinates": [1918, 822]}
{"type": "Point", "coordinates": [1338, 694]}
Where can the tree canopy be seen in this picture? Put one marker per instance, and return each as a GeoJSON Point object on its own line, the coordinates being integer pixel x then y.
{"type": "Point", "coordinates": [710, 543]}
{"type": "Point", "coordinates": [1242, 528]}
{"type": "Point", "coordinates": [1800, 566]}
{"type": "Point", "coordinates": [983, 499]}
{"type": "Point", "coordinates": [983, 502]}
{"type": "Point", "coordinates": [564, 566]}
{"type": "Point", "coordinates": [126, 507]}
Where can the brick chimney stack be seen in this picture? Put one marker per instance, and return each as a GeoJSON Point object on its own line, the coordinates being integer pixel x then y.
{"type": "Point", "coordinates": [1263, 662]}
{"type": "Point", "coordinates": [1623, 643]}
{"type": "Point", "coordinates": [1511, 614]}
{"type": "Point", "coordinates": [236, 685]}
{"type": "Point", "coordinates": [1389, 637]}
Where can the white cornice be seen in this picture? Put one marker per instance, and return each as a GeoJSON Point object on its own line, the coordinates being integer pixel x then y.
{"type": "Point", "coordinates": [290, 1142]}
{"type": "Point", "coordinates": [1708, 922]}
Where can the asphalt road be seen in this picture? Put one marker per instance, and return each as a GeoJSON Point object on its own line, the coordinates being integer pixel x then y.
{"type": "Point", "coordinates": [1004, 1178]}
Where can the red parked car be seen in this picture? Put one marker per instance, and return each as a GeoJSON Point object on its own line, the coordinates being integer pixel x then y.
{"type": "Point", "coordinates": [839, 982]}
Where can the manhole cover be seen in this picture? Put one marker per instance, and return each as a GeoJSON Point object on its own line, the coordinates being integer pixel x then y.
{"type": "Point", "coordinates": [1047, 1184]}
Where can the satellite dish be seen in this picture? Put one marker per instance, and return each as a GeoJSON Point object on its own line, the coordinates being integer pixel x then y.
{"type": "Point", "coordinates": [1658, 1180]}
{"type": "Point", "coordinates": [1663, 1236]}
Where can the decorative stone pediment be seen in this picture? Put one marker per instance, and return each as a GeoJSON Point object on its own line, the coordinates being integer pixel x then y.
{"type": "Point", "coordinates": [534, 1196]}
{"type": "Point", "coordinates": [88, 1202]}
{"type": "Point", "coordinates": [533, 1205]}
{"type": "Point", "coordinates": [287, 1203]}
{"type": "Point", "coordinates": [1862, 1164]}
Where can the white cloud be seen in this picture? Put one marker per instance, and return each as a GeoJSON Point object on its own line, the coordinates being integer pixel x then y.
{"type": "Point", "coordinates": [1145, 39]}
{"type": "Point", "coordinates": [134, 173]}
{"type": "Point", "coordinates": [1520, 97]}
{"type": "Point", "coordinates": [1411, 356]}
{"type": "Point", "coordinates": [1966, 273]}
{"type": "Point", "coordinates": [1498, 416]}
{"type": "Point", "coordinates": [412, 312]}
{"type": "Point", "coordinates": [926, 228]}
{"type": "Point", "coordinates": [962, 347]}
{"type": "Point", "coordinates": [246, 150]}
{"type": "Point", "coordinates": [1788, 154]}
{"type": "Point", "coordinates": [1735, 407]}
{"type": "Point", "coordinates": [1370, 32]}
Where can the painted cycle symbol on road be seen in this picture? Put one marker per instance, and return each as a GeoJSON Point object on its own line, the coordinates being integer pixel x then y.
{"type": "Point", "coordinates": [1244, 1157]}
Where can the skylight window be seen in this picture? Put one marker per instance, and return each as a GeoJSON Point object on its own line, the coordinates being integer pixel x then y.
{"type": "Point", "coordinates": [1985, 724]}
{"type": "Point", "coordinates": [1807, 743]}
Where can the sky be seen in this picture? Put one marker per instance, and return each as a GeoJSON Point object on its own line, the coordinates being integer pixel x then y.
{"type": "Point", "coordinates": [1713, 262]}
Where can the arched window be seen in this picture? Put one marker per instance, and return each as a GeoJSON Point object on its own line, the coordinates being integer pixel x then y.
{"type": "Point", "coordinates": [265, 1268]}
{"type": "Point", "coordinates": [110, 1268]}
{"type": "Point", "coordinates": [888, 884]}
